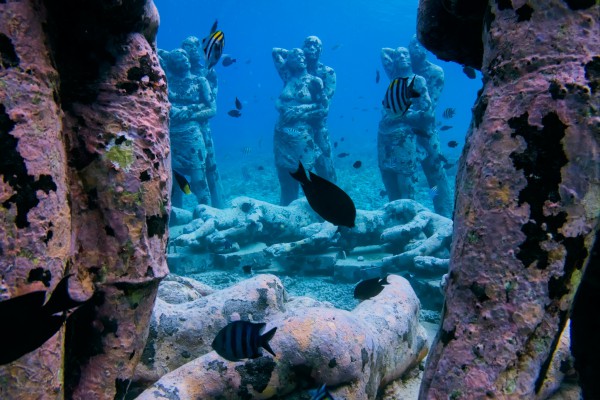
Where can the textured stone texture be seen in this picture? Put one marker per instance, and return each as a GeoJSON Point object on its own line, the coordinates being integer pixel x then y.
{"type": "Point", "coordinates": [314, 344]}
{"type": "Point", "coordinates": [84, 188]}
{"type": "Point", "coordinates": [528, 201]}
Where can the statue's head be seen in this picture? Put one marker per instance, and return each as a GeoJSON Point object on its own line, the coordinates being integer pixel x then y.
{"type": "Point", "coordinates": [418, 54]}
{"type": "Point", "coordinates": [178, 62]}
{"type": "Point", "coordinates": [401, 58]}
{"type": "Point", "coordinates": [296, 59]}
{"type": "Point", "coordinates": [312, 48]}
{"type": "Point", "coordinates": [191, 45]}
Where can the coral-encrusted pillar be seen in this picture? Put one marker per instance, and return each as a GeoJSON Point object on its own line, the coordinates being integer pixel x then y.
{"type": "Point", "coordinates": [35, 218]}
{"type": "Point", "coordinates": [528, 203]}
{"type": "Point", "coordinates": [85, 189]}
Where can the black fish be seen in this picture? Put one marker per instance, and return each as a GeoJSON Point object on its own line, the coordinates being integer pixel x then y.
{"type": "Point", "coordinates": [342, 155]}
{"type": "Point", "coordinates": [469, 72]}
{"type": "Point", "coordinates": [247, 269]}
{"type": "Point", "coordinates": [377, 76]}
{"type": "Point", "coordinates": [342, 139]}
{"type": "Point", "coordinates": [446, 127]}
{"type": "Point", "coordinates": [449, 112]}
{"type": "Point", "coordinates": [357, 164]}
{"type": "Point", "coordinates": [183, 183]}
{"type": "Point", "coordinates": [368, 288]}
{"type": "Point", "coordinates": [238, 104]}
{"type": "Point", "coordinates": [322, 394]}
{"type": "Point", "coordinates": [29, 323]}
{"type": "Point", "coordinates": [327, 199]}
{"type": "Point", "coordinates": [234, 113]}
{"type": "Point", "coordinates": [212, 46]}
{"type": "Point", "coordinates": [228, 60]}
{"type": "Point", "coordinates": [399, 94]}
{"type": "Point", "coordinates": [452, 143]}
{"type": "Point", "coordinates": [242, 339]}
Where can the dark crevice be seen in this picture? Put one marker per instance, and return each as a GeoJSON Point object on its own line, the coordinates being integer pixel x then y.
{"type": "Point", "coordinates": [580, 4]}
{"type": "Point", "coordinates": [8, 55]}
{"type": "Point", "coordinates": [592, 74]}
{"type": "Point", "coordinates": [524, 13]}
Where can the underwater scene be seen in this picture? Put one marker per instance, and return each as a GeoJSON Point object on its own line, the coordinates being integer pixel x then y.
{"type": "Point", "coordinates": [359, 200]}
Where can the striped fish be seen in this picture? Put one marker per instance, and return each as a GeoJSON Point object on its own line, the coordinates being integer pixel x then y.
{"type": "Point", "coordinates": [212, 45]}
{"type": "Point", "coordinates": [322, 394]}
{"type": "Point", "coordinates": [242, 339]}
{"type": "Point", "coordinates": [399, 94]}
{"type": "Point", "coordinates": [449, 112]}
{"type": "Point", "coordinates": [183, 183]}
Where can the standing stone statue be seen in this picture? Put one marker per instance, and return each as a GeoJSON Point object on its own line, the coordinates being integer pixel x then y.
{"type": "Point", "coordinates": [193, 103]}
{"type": "Point", "coordinates": [302, 105]}
{"type": "Point", "coordinates": [312, 50]}
{"type": "Point", "coordinates": [193, 92]}
{"type": "Point", "coordinates": [432, 163]}
{"type": "Point", "coordinates": [396, 138]}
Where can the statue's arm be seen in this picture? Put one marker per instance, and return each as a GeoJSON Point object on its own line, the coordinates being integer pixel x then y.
{"type": "Point", "coordinates": [279, 59]}
{"type": "Point", "coordinates": [207, 107]}
{"type": "Point", "coordinates": [329, 83]}
{"type": "Point", "coordinates": [387, 60]}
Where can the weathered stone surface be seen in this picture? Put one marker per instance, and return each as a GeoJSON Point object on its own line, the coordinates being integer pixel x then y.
{"type": "Point", "coordinates": [528, 204]}
{"type": "Point", "coordinates": [314, 345]}
{"type": "Point", "coordinates": [176, 289]}
{"type": "Point", "coordinates": [85, 168]}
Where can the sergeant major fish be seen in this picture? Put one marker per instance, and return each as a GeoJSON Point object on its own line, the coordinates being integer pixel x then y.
{"type": "Point", "coordinates": [242, 339]}
{"type": "Point", "coordinates": [322, 394]}
{"type": "Point", "coordinates": [399, 94]}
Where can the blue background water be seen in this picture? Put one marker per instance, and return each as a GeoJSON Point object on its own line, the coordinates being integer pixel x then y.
{"type": "Point", "coordinates": [353, 33]}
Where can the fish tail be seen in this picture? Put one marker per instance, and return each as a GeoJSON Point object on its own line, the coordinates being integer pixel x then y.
{"type": "Point", "coordinates": [60, 300]}
{"type": "Point", "coordinates": [264, 341]}
{"type": "Point", "coordinates": [300, 174]}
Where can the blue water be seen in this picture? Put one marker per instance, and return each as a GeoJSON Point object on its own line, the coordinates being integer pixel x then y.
{"type": "Point", "coordinates": [352, 32]}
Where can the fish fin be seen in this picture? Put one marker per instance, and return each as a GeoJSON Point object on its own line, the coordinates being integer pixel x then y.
{"type": "Point", "coordinates": [187, 190]}
{"type": "Point", "coordinates": [264, 341]}
{"type": "Point", "coordinates": [213, 29]}
{"type": "Point", "coordinates": [60, 300]}
{"type": "Point", "coordinates": [411, 88]}
{"type": "Point", "coordinates": [300, 174]}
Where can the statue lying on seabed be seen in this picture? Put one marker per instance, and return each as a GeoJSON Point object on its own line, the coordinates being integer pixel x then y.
{"type": "Point", "coordinates": [416, 237]}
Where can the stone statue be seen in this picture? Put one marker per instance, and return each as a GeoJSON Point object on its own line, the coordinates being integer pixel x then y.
{"type": "Point", "coordinates": [302, 107]}
{"type": "Point", "coordinates": [193, 103]}
{"type": "Point", "coordinates": [312, 50]}
{"type": "Point", "coordinates": [396, 137]}
{"type": "Point", "coordinates": [192, 92]}
{"type": "Point", "coordinates": [432, 163]}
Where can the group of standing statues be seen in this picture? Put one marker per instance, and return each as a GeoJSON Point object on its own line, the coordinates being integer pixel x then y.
{"type": "Point", "coordinates": [403, 142]}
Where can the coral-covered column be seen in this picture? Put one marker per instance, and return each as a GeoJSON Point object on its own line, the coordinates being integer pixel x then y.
{"type": "Point", "coordinates": [528, 202]}
{"type": "Point", "coordinates": [35, 218]}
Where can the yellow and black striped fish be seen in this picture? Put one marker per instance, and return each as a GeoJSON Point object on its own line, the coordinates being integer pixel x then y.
{"type": "Point", "coordinates": [399, 94]}
{"type": "Point", "coordinates": [213, 45]}
{"type": "Point", "coordinates": [242, 339]}
{"type": "Point", "coordinates": [322, 394]}
{"type": "Point", "coordinates": [182, 182]}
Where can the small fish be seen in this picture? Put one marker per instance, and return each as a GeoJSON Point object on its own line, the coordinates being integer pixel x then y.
{"type": "Point", "coordinates": [326, 198]}
{"type": "Point", "coordinates": [234, 113]}
{"type": "Point", "coordinates": [183, 183]}
{"type": "Point", "coordinates": [238, 104]}
{"type": "Point", "coordinates": [357, 164]}
{"type": "Point", "coordinates": [321, 394]}
{"type": "Point", "coordinates": [369, 288]}
{"type": "Point", "coordinates": [433, 192]}
{"type": "Point", "coordinates": [449, 112]}
{"type": "Point", "coordinates": [247, 269]}
{"type": "Point", "coordinates": [452, 143]}
{"type": "Point", "coordinates": [246, 150]}
{"type": "Point", "coordinates": [377, 76]}
{"type": "Point", "coordinates": [248, 61]}
{"type": "Point", "coordinates": [342, 139]}
{"type": "Point", "coordinates": [28, 323]}
{"type": "Point", "coordinates": [342, 155]}
{"type": "Point", "coordinates": [399, 94]}
{"type": "Point", "coordinates": [335, 145]}
{"type": "Point", "coordinates": [260, 168]}
{"type": "Point", "coordinates": [212, 46]}
{"type": "Point", "coordinates": [469, 72]}
{"type": "Point", "coordinates": [227, 60]}
{"type": "Point", "coordinates": [382, 193]}
{"type": "Point", "coordinates": [446, 127]}
{"type": "Point", "coordinates": [242, 339]}
{"type": "Point", "coordinates": [336, 46]}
